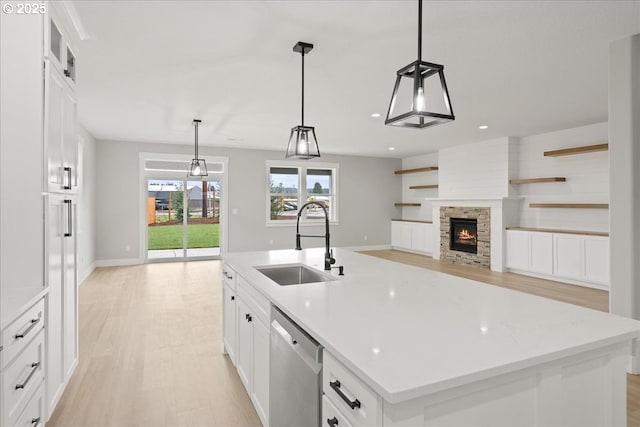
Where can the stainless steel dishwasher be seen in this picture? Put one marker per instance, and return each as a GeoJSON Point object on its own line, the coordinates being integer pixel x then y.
{"type": "Point", "coordinates": [295, 390]}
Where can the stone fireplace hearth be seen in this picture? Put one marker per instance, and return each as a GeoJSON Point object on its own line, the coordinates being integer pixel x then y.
{"type": "Point", "coordinates": [451, 249]}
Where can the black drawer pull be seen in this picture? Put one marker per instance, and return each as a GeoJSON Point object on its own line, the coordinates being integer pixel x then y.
{"type": "Point", "coordinates": [23, 334]}
{"type": "Point", "coordinates": [233, 298]}
{"type": "Point", "coordinates": [68, 171]}
{"type": "Point", "coordinates": [353, 404]}
{"type": "Point", "coordinates": [35, 421]}
{"type": "Point", "coordinates": [333, 422]}
{"type": "Point", "coordinates": [33, 371]}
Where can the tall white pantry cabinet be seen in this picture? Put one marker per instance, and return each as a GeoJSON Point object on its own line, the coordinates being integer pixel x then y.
{"type": "Point", "coordinates": [39, 181]}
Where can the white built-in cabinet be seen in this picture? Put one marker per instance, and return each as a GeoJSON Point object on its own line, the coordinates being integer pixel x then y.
{"type": "Point", "coordinates": [62, 183]}
{"type": "Point", "coordinates": [247, 337]}
{"type": "Point", "coordinates": [412, 236]}
{"type": "Point", "coordinates": [22, 217]}
{"type": "Point", "coordinates": [576, 258]}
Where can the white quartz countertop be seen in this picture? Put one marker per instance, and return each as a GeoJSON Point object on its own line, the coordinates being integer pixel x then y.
{"type": "Point", "coordinates": [408, 331]}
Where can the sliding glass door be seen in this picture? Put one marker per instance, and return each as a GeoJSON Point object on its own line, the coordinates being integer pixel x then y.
{"type": "Point", "coordinates": [183, 218]}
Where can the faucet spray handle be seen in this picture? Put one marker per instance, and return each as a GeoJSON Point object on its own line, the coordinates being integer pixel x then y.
{"type": "Point", "coordinates": [332, 260]}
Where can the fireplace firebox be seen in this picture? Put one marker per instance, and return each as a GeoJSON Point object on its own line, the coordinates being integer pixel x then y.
{"type": "Point", "coordinates": [464, 235]}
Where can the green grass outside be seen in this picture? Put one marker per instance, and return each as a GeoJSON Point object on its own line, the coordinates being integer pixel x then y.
{"type": "Point", "coordinates": [170, 236]}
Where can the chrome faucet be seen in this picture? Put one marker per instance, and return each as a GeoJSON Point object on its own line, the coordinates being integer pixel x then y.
{"type": "Point", "coordinates": [328, 254]}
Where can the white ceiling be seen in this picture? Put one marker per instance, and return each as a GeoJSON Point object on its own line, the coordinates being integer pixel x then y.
{"type": "Point", "coordinates": [520, 67]}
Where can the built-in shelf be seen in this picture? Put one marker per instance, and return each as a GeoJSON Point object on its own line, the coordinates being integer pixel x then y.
{"type": "Point", "coordinates": [537, 180]}
{"type": "Point", "coordinates": [558, 231]}
{"type": "Point", "coordinates": [570, 205]}
{"type": "Point", "coordinates": [577, 150]}
{"type": "Point", "coordinates": [408, 204]}
{"type": "Point", "coordinates": [418, 187]}
{"type": "Point", "coordinates": [413, 220]}
{"type": "Point", "coordinates": [425, 169]}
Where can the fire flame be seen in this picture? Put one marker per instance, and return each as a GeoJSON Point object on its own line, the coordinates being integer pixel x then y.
{"type": "Point", "coordinates": [465, 236]}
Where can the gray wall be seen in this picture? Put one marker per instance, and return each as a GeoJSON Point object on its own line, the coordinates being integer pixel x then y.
{"type": "Point", "coordinates": [367, 190]}
{"type": "Point", "coordinates": [86, 227]}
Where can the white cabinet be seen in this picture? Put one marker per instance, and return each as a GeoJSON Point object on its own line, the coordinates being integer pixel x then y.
{"type": "Point", "coordinates": [414, 236]}
{"type": "Point", "coordinates": [253, 313]}
{"type": "Point", "coordinates": [60, 42]}
{"type": "Point", "coordinates": [577, 258]}
{"type": "Point", "coordinates": [518, 250]}
{"type": "Point", "coordinates": [567, 251]}
{"type": "Point", "coordinates": [595, 250]}
{"type": "Point", "coordinates": [540, 257]}
{"type": "Point", "coordinates": [229, 311]}
{"type": "Point", "coordinates": [62, 325]}
{"type": "Point", "coordinates": [61, 133]}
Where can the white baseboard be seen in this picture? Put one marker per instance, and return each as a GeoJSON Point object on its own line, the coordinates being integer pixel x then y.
{"type": "Point", "coordinates": [398, 248]}
{"type": "Point", "coordinates": [367, 248]}
{"type": "Point", "coordinates": [559, 279]}
{"type": "Point", "coordinates": [117, 262]}
{"type": "Point", "coordinates": [82, 275]}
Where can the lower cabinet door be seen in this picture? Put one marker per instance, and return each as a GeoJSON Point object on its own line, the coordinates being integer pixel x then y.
{"type": "Point", "coordinates": [33, 414]}
{"type": "Point", "coordinates": [421, 237]}
{"type": "Point", "coordinates": [260, 389]}
{"type": "Point", "coordinates": [518, 249]}
{"type": "Point", "coordinates": [244, 345]}
{"type": "Point", "coordinates": [567, 252]}
{"type": "Point", "coordinates": [229, 326]}
{"type": "Point", "coordinates": [331, 416]}
{"type": "Point", "coordinates": [541, 253]}
{"type": "Point", "coordinates": [401, 234]}
{"type": "Point", "coordinates": [595, 267]}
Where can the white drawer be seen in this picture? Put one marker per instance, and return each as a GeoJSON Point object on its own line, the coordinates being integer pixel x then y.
{"type": "Point", "coordinates": [331, 417]}
{"type": "Point", "coordinates": [340, 385]}
{"type": "Point", "coordinates": [33, 414]}
{"type": "Point", "coordinates": [22, 378]}
{"type": "Point", "coordinates": [258, 303]}
{"type": "Point", "coordinates": [20, 332]}
{"type": "Point", "coordinates": [228, 276]}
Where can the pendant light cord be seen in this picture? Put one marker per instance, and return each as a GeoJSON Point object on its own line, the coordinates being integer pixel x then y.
{"type": "Point", "coordinates": [302, 109]}
{"type": "Point", "coordinates": [419, 30]}
{"type": "Point", "coordinates": [197, 140]}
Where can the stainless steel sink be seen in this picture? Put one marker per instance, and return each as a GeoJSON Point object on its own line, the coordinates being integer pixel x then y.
{"type": "Point", "coordinates": [294, 274]}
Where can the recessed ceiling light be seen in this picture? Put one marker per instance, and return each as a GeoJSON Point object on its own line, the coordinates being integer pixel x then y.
{"type": "Point", "coordinates": [483, 127]}
{"type": "Point", "coordinates": [375, 115]}
{"type": "Point", "coordinates": [392, 148]}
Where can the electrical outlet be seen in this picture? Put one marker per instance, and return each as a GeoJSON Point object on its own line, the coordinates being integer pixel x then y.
{"type": "Point", "coordinates": [127, 248]}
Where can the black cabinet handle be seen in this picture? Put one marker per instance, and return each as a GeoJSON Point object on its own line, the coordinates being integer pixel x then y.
{"type": "Point", "coordinates": [33, 371]}
{"type": "Point", "coordinates": [233, 298]}
{"type": "Point", "coordinates": [353, 404]}
{"type": "Point", "coordinates": [23, 334]}
{"type": "Point", "coordinates": [333, 422]}
{"type": "Point", "coordinates": [67, 73]}
{"type": "Point", "coordinates": [35, 421]}
{"type": "Point", "coordinates": [69, 218]}
{"type": "Point", "coordinates": [249, 318]}
{"type": "Point", "coordinates": [68, 171]}
{"type": "Point", "coordinates": [246, 316]}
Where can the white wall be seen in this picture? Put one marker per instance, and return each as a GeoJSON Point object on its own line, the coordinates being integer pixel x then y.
{"type": "Point", "coordinates": [367, 190]}
{"type": "Point", "coordinates": [587, 179]}
{"type": "Point", "coordinates": [479, 170]}
{"type": "Point", "coordinates": [86, 227]}
{"type": "Point", "coordinates": [424, 212]}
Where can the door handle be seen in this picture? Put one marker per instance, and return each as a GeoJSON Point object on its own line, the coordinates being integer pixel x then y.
{"type": "Point", "coordinates": [33, 371]}
{"type": "Point", "coordinates": [33, 324]}
{"type": "Point", "coordinates": [67, 169]}
{"type": "Point", "coordinates": [353, 404]}
{"type": "Point", "coordinates": [69, 231]}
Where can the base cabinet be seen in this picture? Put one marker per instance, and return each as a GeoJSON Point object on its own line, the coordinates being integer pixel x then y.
{"type": "Point", "coordinates": [413, 236]}
{"type": "Point", "coordinates": [576, 258]}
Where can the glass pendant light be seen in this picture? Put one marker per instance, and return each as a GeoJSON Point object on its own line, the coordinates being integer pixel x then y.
{"type": "Point", "coordinates": [415, 102]}
{"type": "Point", "coordinates": [302, 140]}
{"type": "Point", "coordinates": [198, 166]}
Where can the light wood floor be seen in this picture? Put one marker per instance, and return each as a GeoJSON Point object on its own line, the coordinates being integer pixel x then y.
{"type": "Point", "coordinates": [151, 352]}
{"type": "Point", "coordinates": [151, 345]}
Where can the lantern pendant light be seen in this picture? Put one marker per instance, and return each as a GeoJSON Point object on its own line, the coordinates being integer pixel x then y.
{"type": "Point", "coordinates": [302, 140]}
{"type": "Point", "coordinates": [198, 166]}
{"type": "Point", "coordinates": [414, 102]}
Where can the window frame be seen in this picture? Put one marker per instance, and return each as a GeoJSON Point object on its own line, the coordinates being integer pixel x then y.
{"type": "Point", "coordinates": [303, 193]}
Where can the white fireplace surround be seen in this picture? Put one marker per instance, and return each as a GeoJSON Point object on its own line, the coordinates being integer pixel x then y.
{"type": "Point", "coordinates": [504, 213]}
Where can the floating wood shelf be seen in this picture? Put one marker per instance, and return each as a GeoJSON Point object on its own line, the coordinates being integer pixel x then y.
{"type": "Point", "coordinates": [418, 187]}
{"type": "Point", "coordinates": [408, 204]}
{"type": "Point", "coordinates": [536, 180]}
{"type": "Point", "coordinates": [577, 150]}
{"type": "Point", "coordinates": [425, 169]}
{"type": "Point", "coordinates": [557, 231]}
{"type": "Point", "coordinates": [413, 220]}
{"type": "Point", "coordinates": [570, 205]}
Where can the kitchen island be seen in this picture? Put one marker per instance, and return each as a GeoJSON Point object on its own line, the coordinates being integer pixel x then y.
{"type": "Point", "coordinates": [419, 347]}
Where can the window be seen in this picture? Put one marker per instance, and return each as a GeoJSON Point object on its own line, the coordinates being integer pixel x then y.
{"type": "Point", "coordinates": [291, 185]}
